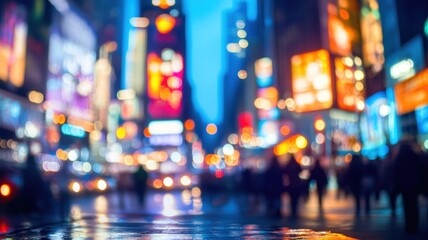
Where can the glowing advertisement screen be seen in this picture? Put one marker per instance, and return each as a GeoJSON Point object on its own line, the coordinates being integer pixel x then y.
{"type": "Point", "coordinates": [422, 119]}
{"type": "Point", "coordinates": [165, 84]}
{"type": "Point", "coordinates": [412, 93]}
{"type": "Point", "coordinates": [374, 127]}
{"type": "Point", "coordinates": [345, 130]}
{"type": "Point", "coordinates": [263, 69]}
{"type": "Point", "coordinates": [349, 82]}
{"type": "Point", "coordinates": [311, 81]}
{"type": "Point", "coordinates": [71, 66]}
{"type": "Point", "coordinates": [343, 32]}
{"type": "Point", "coordinates": [13, 44]}
{"type": "Point", "coordinates": [371, 31]}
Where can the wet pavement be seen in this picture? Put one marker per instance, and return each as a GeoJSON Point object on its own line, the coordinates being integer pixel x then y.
{"type": "Point", "coordinates": [188, 215]}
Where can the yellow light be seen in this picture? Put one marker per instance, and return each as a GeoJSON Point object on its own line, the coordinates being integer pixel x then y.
{"type": "Point", "coordinates": [5, 190]}
{"type": "Point", "coordinates": [196, 192]}
{"type": "Point", "coordinates": [359, 75]}
{"type": "Point", "coordinates": [301, 142]}
{"type": "Point", "coordinates": [36, 97]}
{"type": "Point", "coordinates": [128, 160]}
{"type": "Point", "coordinates": [242, 33]}
{"type": "Point", "coordinates": [319, 125]}
{"type": "Point", "coordinates": [168, 182]}
{"type": "Point", "coordinates": [211, 129]}
{"type": "Point", "coordinates": [185, 180]}
{"type": "Point", "coordinates": [75, 187]}
{"type": "Point", "coordinates": [359, 86]}
{"type": "Point", "coordinates": [165, 23]}
{"type": "Point", "coordinates": [243, 43]}
{"type": "Point", "coordinates": [101, 185]}
{"type": "Point", "coordinates": [157, 183]}
{"type": "Point", "coordinates": [121, 133]}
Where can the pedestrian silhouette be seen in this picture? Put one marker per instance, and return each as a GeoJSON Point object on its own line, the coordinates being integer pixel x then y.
{"type": "Point", "coordinates": [408, 176]}
{"type": "Point", "coordinates": [140, 184]}
{"type": "Point", "coordinates": [387, 180]}
{"type": "Point", "coordinates": [369, 182]}
{"type": "Point", "coordinates": [33, 186]}
{"type": "Point", "coordinates": [319, 176]}
{"type": "Point", "coordinates": [273, 180]}
{"type": "Point", "coordinates": [354, 175]}
{"type": "Point", "coordinates": [293, 183]}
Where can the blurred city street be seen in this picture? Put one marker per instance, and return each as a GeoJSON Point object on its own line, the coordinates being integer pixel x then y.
{"type": "Point", "coordinates": [181, 215]}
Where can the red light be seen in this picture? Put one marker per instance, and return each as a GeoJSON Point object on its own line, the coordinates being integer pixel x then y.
{"type": "Point", "coordinates": [219, 174]}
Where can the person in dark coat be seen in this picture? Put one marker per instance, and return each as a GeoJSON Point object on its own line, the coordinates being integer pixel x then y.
{"type": "Point", "coordinates": [33, 186]}
{"type": "Point", "coordinates": [273, 180]}
{"type": "Point", "coordinates": [354, 175]}
{"type": "Point", "coordinates": [294, 183]}
{"type": "Point", "coordinates": [369, 183]}
{"type": "Point", "coordinates": [387, 179]}
{"type": "Point", "coordinates": [319, 176]}
{"type": "Point", "coordinates": [408, 176]}
{"type": "Point", "coordinates": [140, 183]}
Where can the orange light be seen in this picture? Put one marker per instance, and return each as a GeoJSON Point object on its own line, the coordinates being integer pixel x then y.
{"type": "Point", "coordinates": [165, 23]}
{"type": "Point", "coordinates": [147, 132]}
{"type": "Point", "coordinates": [157, 183]}
{"type": "Point", "coordinates": [5, 190]}
{"type": "Point", "coordinates": [285, 130]}
{"type": "Point", "coordinates": [189, 124]}
{"type": "Point", "coordinates": [211, 129]}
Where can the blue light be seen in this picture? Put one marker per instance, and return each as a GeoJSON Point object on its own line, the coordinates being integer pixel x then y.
{"type": "Point", "coordinates": [74, 131]}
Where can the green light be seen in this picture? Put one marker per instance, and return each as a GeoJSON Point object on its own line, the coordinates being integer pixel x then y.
{"type": "Point", "coordinates": [426, 28]}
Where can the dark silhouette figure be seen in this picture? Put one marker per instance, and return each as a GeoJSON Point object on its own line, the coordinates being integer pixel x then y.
{"type": "Point", "coordinates": [369, 182]}
{"type": "Point", "coordinates": [354, 178]}
{"type": "Point", "coordinates": [293, 183]}
{"type": "Point", "coordinates": [319, 176]}
{"type": "Point", "coordinates": [33, 186]}
{"type": "Point", "coordinates": [247, 188]}
{"type": "Point", "coordinates": [273, 180]}
{"type": "Point", "coordinates": [387, 179]}
{"type": "Point", "coordinates": [408, 176]}
{"type": "Point", "coordinates": [140, 183]}
{"type": "Point", "coordinates": [64, 197]}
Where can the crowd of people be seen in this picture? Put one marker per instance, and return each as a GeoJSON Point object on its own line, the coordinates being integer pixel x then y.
{"type": "Point", "coordinates": [402, 174]}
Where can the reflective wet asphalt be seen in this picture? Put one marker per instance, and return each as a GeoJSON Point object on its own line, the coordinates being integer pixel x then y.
{"type": "Point", "coordinates": [178, 215]}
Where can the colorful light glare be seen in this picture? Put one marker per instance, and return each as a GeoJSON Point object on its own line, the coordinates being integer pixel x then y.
{"type": "Point", "coordinates": [185, 180]}
{"type": "Point", "coordinates": [157, 183]}
{"type": "Point", "coordinates": [319, 124]}
{"type": "Point", "coordinates": [168, 182]}
{"type": "Point", "coordinates": [75, 187]}
{"type": "Point", "coordinates": [301, 142]}
{"type": "Point", "coordinates": [101, 185]}
{"type": "Point", "coordinates": [36, 97]}
{"type": "Point", "coordinates": [5, 190]}
{"type": "Point", "coordinates": [211, 129]}
{"type": "Point", "coordinates": [189, 124]}
{"type": "Point", "coordinates": [165, 23]}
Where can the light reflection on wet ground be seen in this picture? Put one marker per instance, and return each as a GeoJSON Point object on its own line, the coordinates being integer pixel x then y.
{"type": "Point", "coordinates": [156, 227]}
{"type": "Point", "coordinates": [190, 215]}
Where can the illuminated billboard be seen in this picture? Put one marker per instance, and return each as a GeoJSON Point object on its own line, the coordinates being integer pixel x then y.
{"type": "Point", "coordinates": [71, 66]}
{"type": "Point", "coordinates": [13, 44]}
{"type": "Point", "coordinates": [372, 38]}
{"type": "Point", "coordinates": [165, 84]}
{"type": "Point", "coordinates": [374, 127]}
{"type": "Point", "coordinates": [311, 81]}
{"type": "Point", "coordinates": [412, 93]}
{"type": "Point", "coordinates": [343, 32]}
{"type": "Point", "coordinates": [349, 83]}
{"type": "Point", "coordinates": [405, 62]}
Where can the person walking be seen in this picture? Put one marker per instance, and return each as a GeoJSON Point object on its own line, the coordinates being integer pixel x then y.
{"type": "Point", "coordinates": [319, 176]}
{"type": "Point", "coordinates": [294, 183]}
{"type": "Point", "coordinates": [408, 176]}
{"type": "Point", "coordinates": [273, 180]}
{"type": "Point", "coordinates": [140, 183]}
{"type": "Point", "coordinates": [354, 175]}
